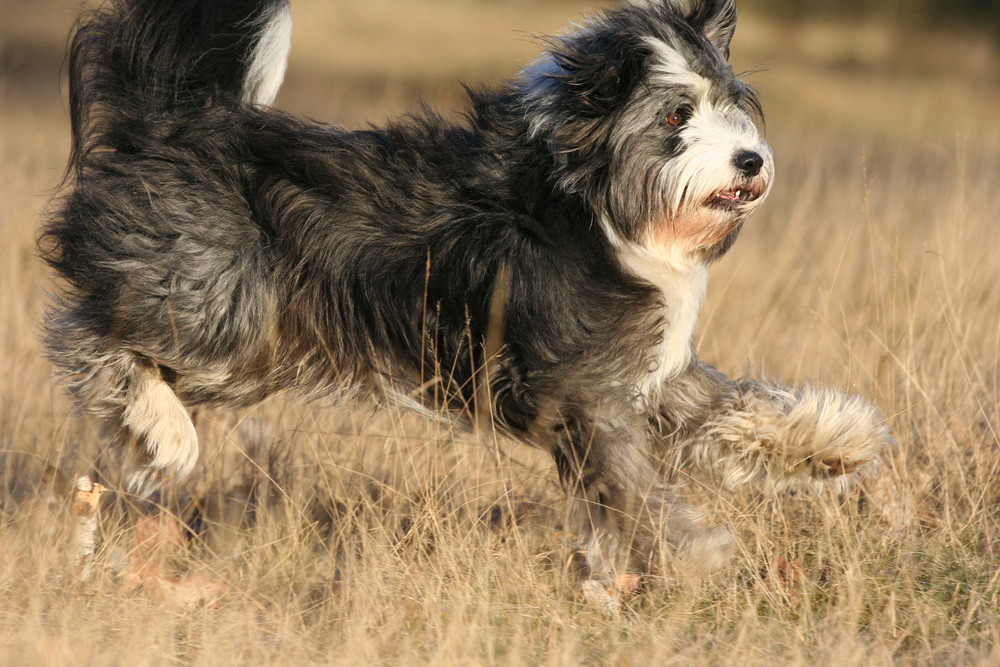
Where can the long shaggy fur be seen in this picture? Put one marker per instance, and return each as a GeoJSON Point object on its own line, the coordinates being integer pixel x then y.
{"type": "Point", "coordinates": [542, 264]}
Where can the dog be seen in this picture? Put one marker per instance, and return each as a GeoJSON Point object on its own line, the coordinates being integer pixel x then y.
{"type": "Point", "coordinates": [540, 265]}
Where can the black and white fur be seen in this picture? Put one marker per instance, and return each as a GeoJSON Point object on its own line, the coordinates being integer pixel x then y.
{"type": "Point", "coordinates": [542, 264]}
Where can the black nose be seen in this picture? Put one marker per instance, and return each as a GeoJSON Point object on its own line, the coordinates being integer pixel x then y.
{"type": "Point", "coordinates": [748, 162]}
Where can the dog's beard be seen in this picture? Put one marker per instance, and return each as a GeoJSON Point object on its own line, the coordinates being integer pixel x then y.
{"type": "Point", "coordinates": [698, 229]}
{"type": "Point", "coordinates": [706, 217]}
{"type": "Point", "coordinates": [705, 220]}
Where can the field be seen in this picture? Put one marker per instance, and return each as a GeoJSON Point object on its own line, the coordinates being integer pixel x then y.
{"type": "Point", "coordinates": [328, 535]}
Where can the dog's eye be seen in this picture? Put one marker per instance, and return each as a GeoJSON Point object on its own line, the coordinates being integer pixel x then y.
{"type": "Point", "coordinates": [676, 118]}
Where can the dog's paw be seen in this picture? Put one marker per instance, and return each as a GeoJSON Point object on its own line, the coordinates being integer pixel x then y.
{"type": "Point", "coordinates": [707, 552]}
{"type": "Point", "coordinates": [836, 434]}
{"type": "Point", "coordinates": [793, 438]}
{"type": "Point", "coordinates": [609, 597]}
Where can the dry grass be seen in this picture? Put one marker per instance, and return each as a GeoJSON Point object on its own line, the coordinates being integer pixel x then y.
{"type": "Point", "coordinates": [341, 537]}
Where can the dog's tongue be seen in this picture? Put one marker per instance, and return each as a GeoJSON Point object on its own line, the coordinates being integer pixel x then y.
{"type": "Point", "coordinates": [729, 194]}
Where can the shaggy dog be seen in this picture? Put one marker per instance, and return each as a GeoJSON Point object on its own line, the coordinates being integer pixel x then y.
{"type": "Point", "coordinates": [540, 266]}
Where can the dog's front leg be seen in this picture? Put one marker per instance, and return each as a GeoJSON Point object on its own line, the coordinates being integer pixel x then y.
{"type": "Point", "coordinates": [628, 518]}
{"type": "Point", "coordinates": [753, 430]}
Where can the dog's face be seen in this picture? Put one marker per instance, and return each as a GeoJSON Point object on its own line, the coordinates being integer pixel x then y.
{"type": "Point", "coordinates": [647, 121]}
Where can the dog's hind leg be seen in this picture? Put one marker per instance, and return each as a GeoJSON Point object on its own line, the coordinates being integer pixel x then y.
{"type": "Point", "coordinates": [135, 405]}
{"type": "Point", "coordinates": [160, 436]}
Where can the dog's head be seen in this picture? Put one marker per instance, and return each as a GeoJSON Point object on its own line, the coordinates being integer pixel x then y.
{"type": "Point", "coordinates": [647, 122]}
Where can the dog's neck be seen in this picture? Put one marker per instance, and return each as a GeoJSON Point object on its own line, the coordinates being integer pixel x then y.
{"type": "Point", "coordinates": [679, 274]}
{"type": "Point", "coordinates": [682, 281]}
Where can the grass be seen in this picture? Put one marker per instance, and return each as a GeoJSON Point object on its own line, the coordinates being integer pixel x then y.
{"type": "Point", "coordinates": [338, 536]}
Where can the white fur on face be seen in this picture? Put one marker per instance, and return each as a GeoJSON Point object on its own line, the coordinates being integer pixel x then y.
{"type": "Point", "coordinates": [711, 137]}
{"type": "Point", "coordinates": [671, 69]}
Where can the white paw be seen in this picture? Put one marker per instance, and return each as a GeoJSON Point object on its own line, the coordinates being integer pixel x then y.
{"type": "Point", "coordinates": [805, 436]}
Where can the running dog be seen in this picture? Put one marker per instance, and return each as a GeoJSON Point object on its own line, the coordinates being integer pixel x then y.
{"type": "Point", "coordinates": [540, 265]}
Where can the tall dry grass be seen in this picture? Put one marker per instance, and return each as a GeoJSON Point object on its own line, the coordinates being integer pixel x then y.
{"type": "Point", "coordinates": [338, 536]}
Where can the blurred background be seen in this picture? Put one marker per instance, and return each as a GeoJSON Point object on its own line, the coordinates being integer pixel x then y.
{"type": "Point", "coordinates": [873, 267]}
{"type": "Point", "coordinates": [353, 61]}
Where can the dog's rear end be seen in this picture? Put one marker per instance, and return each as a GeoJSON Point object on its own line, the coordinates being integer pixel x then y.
{"type": "Point", "coordinates": [133, 67]}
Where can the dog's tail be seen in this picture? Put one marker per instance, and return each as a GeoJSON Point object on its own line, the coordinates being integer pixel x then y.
{"type": "Point", "coordinates": [133, 64]}
{"type": "Point", "coordinates": [133, 59]}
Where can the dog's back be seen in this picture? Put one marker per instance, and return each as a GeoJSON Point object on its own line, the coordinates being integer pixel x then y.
{"type": "Point", "coordinates": [161, 266]}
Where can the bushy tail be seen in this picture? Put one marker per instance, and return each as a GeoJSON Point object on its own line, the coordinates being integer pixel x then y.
{"type": "Point", "coordinates": [135, 58]}
{"type": "Point", "coordinates": [131, 64]}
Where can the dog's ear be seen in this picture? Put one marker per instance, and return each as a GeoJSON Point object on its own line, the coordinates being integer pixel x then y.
{"type": "Point", "coordinates": [716, 19]}
{"type": "Point", "coordinates": [600, 69]}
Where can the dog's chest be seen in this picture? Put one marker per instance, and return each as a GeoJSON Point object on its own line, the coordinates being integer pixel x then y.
{"type": "Point", "coordinates": [683, 289]}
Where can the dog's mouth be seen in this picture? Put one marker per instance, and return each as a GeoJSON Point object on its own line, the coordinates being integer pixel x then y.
{"type": "Point", "coordinates": [729, 199]}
